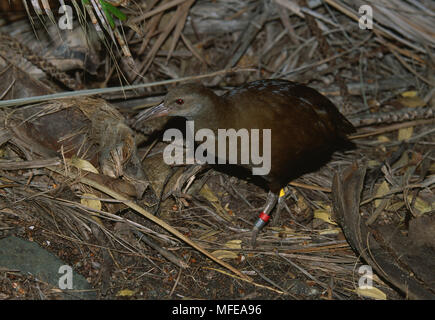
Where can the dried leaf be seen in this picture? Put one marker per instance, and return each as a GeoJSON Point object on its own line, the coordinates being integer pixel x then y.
{"type": "Point", "coordinates": [409, 94]}
{"type": "Point", "coordinates": [420, 205]}
{"type": "Point", "coordinates": [395, 206]}
{"type": "Point", "coordinates": [413, 102]}
{"type": "Point", "coordinates": [324, 215]}
{"type": "Point", "coordinates": [208, 194]}
{"type": "Point", "coordinates": [373, 163]}
{"type": "Point", "coordinates": [234, 244]}
{"type": "Point", "coordinates": [91, 201]}
{"type": "Point", "coordinates": [83, 165]}
{"type": "Point", "coordinates": [324, 205]}
{"type": "Point", "coordinates": [403, 161]}
{"type": "Point", "coordinates": [224, 254]}
{"type": "Point", "coordinates": [125, 293]}
{"type": "Point", "coordinates": [405, 133]}
{"type": "Point", "coordinates": [302, 204]}
{"type": "Point", "coordinates": [382, 138]}
{"type": "Point", "coordinates": [332, 231]}
{"type": "Point", "coordinates": [382, 190]}
{"type": "Point", "coordinates": [372, 292]}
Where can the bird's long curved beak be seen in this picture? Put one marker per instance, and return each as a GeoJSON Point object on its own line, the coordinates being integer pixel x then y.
{"type": "Point", "coordinates": [153, 112]}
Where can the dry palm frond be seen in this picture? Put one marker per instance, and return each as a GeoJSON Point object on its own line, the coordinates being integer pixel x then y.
{"type": "Point", "coordinates": [411, 24]}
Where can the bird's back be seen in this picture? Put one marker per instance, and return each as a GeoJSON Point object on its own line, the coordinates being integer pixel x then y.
{"type": "Point", "coordinates": [286, 97]}
{"type": "Point", "coordinates": [306, 127]}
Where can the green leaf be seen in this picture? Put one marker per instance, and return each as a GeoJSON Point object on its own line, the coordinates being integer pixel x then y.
{"type": "Point", "coordinates": [118, 13]}
{"type": "Point", "coordinates": [109, 9]}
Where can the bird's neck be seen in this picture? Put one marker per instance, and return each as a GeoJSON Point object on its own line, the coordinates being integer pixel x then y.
{"type": "Point", "coordinates": [213, 115]}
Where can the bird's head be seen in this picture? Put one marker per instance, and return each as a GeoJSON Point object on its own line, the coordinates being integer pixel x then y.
{"type": "Point", "coordinates": [186, 101]}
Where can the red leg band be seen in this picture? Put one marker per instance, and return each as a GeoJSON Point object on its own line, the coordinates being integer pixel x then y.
{"type": "Point", "coordinates": [264, 216]}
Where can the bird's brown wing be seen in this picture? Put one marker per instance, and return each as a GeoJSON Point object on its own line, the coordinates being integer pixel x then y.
{"type": "Point", "coordinates": [290, 95]}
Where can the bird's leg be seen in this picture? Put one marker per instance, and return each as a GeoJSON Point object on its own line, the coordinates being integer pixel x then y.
{"type": "Point", "coordinates": [280, 205]}
{"type": "Point", "coordinates": [264, 216]}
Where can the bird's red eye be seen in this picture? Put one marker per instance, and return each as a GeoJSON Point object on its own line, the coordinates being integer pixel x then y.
{"type": "Point", "coordinates": [179, 101]}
